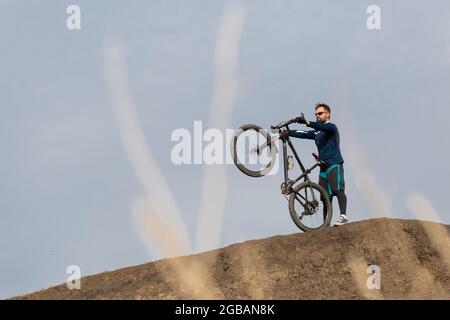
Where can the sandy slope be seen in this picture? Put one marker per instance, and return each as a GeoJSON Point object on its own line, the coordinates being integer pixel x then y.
{"type": "Point", "coordinates": [413, 257]}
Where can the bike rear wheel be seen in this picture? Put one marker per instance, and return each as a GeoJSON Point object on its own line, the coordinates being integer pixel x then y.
{"type": "Point", "coordinates": [253, 150]}
{"type": "Point", "coordinates": [307, 204]}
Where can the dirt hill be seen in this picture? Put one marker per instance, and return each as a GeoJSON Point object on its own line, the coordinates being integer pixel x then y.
{"type": "Point", "coordinates": [413, 258]}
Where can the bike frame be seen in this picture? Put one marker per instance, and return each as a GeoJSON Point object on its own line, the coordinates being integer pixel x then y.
{"type": "Point", "coordinates": [305, 172]}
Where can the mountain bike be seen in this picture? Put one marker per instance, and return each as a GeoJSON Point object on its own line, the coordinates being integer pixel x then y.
{"type": "Point", "coordinates": [309, 204]}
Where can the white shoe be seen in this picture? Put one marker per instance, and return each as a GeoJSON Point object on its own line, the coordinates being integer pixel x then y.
{"type": "Point", "coordinates": [342, 220]}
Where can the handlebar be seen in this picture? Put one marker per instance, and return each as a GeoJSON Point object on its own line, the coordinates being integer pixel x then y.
{"type": "Point", "coordinates": [283, 124]}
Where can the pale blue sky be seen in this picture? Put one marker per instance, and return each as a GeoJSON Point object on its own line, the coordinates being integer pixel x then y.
{"type": "Point", "coordinates": [66, 184]}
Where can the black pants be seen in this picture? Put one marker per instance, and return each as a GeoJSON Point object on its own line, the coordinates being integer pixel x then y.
{"type": "Point", "coordinates": [332, 180]}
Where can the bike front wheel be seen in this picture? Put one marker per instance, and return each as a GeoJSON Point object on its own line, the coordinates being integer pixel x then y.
{"type": "Point", "coordinates": [253, 150]}
{"type": "Point", "coordinates": [310, 206]}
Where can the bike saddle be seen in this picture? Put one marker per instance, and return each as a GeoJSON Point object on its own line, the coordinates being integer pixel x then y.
{"type": "Point", "coordinates": [318, 159]}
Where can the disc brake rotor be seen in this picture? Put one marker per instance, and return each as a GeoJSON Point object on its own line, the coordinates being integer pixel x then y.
{"type": "Point", "coordinates": [311, 207]}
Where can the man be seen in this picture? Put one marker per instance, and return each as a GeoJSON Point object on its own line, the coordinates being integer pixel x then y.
{"type": "Point", "coordinates": [326, 136]}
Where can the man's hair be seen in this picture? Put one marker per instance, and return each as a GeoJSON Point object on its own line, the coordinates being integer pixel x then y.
{"type": "Point", "coordinates": [323, 105]}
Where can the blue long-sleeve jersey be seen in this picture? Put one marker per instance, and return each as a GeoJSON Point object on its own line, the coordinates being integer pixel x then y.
{"type": "Point", "coordinates": [326, 136]}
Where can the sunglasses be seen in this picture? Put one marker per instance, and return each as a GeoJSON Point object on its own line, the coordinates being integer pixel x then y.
{"type": "Point", "coordinates": [319, 113]}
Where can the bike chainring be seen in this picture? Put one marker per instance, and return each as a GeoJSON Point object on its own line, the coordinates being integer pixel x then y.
{"type": "Point", "coordinates": [286, 188]}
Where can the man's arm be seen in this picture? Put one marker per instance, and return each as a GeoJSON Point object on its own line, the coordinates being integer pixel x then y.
{"type": "Point", "coordinates": [325, 127]}
{"type": "Point", "coordinates": [302, 134]}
